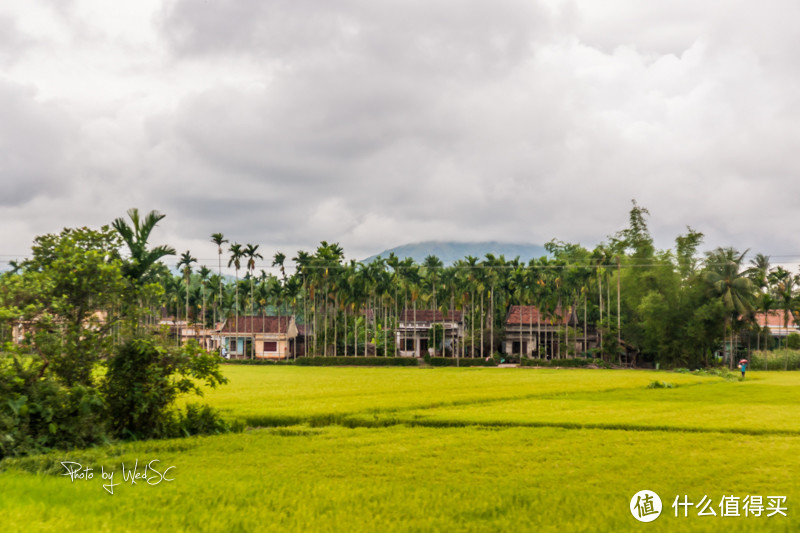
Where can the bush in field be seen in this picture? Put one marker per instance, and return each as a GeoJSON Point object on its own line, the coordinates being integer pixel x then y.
{"type": "Point", "coordinates": [793, 341]}
{"type": "Point", "coordinates": [785, 359]}
{"type": "Point", "coordinates": [145, 377]}
{"type": "Point", "coordinates": [39, 412]}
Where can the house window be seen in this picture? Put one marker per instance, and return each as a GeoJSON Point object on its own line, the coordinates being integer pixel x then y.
{"type": "Point", "coordinates": [233, 345]}
{"type": "Point", "coordinates": [409, 345]}
{"type": "Point", "coordinates": [270, 346]}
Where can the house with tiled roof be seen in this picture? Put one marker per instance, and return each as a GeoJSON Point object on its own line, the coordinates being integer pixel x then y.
{"type": "Point", "coordinates": [531, 332]}
{"type": "Point", "coordinates": [413, 333]}
{"type": "Point", "coordinates": [773, 321]}
{"type": "Point", "coordinates": [262, 337]}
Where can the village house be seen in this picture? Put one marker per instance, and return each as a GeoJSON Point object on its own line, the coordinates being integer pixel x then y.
{"type": "Point", "coordinates": [413, 333]}
{"type": "Point", "coordinates": [261, 337]}
{"type": "Point", "coordinates": [532, 333]}
{"type": "Point", "coordinates": [774, 323]}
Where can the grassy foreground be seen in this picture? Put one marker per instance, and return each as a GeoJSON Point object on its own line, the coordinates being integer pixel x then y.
{"type": "Point", "coordinates": [441, 450]}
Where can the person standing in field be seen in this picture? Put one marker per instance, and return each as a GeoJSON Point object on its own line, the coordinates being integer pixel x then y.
{"type": "Point", "coordinates": [743, 366]}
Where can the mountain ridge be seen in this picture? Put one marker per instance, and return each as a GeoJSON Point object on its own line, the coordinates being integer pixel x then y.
{"type": "Point", "coordinates": [451, 251]}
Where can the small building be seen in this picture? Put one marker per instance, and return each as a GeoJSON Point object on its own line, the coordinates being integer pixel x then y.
{"type": "Point", "coordinates": [413, 333]}
{"type": "Point", "coordinates": [261, 337]}
{"type": "Point", "coordinates": [532, 333]}
{"type": "Point", "coordinates": [773, 321]}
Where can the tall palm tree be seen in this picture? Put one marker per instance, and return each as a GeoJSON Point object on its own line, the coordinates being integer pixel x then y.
{"type": "Point", "coordinates": [186, 261]}
{"type": "Point", "coordinates": [219, 240]}
{"type": "Point", "coordinates": [302, 263]}
{"type": "Point", "coordinates": [433, 266]}
{"type": "Point", "coordinates": [765, 303]}
{"type": "Point", "coordinates": [204, 273]}
{"type": "Point", "coordinates": [237, 253]}
{"type": "Point", "coordinates": [730, 284]}
{"type": "Point", "coordinates": [135, 236]}
{"type": "Point", "coordinates": [138, 268]}
{"type": "Point", "coordinates": [251, 252]}
{"type": "Point", "coordinates": [278, 260]}
{"type": "Point", "coordinates": [784, 284]}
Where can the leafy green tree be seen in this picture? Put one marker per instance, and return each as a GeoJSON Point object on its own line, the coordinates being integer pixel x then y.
{"type": "Point", "coordinates": [66, 296]}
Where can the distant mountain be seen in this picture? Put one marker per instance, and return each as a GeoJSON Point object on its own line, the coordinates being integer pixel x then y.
{"type": "Point", "coordinates": [450, 252]}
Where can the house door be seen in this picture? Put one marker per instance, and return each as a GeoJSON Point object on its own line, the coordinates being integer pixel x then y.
{"type": "Point", "coordinates": [423, 347]}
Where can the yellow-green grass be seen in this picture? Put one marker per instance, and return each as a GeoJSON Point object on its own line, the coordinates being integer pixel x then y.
{"type": "Point", "coordinates": [461, 450]}
{"type": "Point", "coordinates": [285, 395]}
{"type": "Point", "coordinates": [414, 479]}
{"type": "Point", "coordinates": [763, 404]}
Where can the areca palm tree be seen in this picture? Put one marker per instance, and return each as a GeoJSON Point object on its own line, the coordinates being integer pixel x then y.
{"type": "Point", "coordinates": [278, 260]}
{"type": "Point", "coordinates": [237, 253]}
{"type": "Point", "coordinates": [186, 261]}
{"type": "Point", "coordinates": [219, 240]}
{"type": "Point", "coordinates": [302, 263]}
{"type": "Point", "coordinates": [784, 284]}
{"type": "Point", "coordinates": [138, 267]}
{"type": "Point", "coordinates": [433, 266]}
{"type": "Point", "coordinates": [136, 235]}
{"type": "Point", "coordinates": [251, 251]}
{"type": "Point", "coordinates": [204, 273]}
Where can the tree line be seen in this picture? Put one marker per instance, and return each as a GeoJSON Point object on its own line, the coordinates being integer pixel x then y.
{"type": "Point", "coordinates": [674, 307]}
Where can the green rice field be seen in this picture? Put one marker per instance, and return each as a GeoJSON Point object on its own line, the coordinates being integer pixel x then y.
{"type": "Point", "coordinates": [445, 449]}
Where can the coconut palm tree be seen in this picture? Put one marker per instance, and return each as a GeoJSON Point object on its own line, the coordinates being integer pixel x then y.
{"type": "Point", "coordinates": [728, 282]}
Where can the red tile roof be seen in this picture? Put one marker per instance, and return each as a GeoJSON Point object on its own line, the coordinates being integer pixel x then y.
{"type": "Point", "coordinates": [530, 314]}
{"type": "Point", "coordinates": [426, 315]}
{"type": "Point", "coordinates": [257, 324]}
{"type": "Point", "coordinates": [774, 319]}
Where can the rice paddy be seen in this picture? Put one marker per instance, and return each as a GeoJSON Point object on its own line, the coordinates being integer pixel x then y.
{"type": "Point", "coordinates": [407, 449]}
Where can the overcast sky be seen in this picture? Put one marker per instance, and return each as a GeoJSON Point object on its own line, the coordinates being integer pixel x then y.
{"type": "Point", "coordinates": [376, 123]}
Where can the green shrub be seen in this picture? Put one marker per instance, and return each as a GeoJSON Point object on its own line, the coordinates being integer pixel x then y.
{"type": "Point", "coordinates": [775, 360]}
{"type": "Point", "coordinates": [38, 412]}
{"type": "Point", "coordinates": [463, 361]}
{"type": "Point", "coordinates": [201, 419]}
{"type": "Point", "coordinates": [143, 380]}
{"type": "Point", "coordinates": [660, 385]}
{"type": "Point", "coordinates": [793, 341]}
{"type": "Point", "coordinates": [356, 361]}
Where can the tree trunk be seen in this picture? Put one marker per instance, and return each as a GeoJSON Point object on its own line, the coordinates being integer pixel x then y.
{"type": "Point", "coordinates": [491, 323]}
{"type": "Point", "coordinates": [482, 325]}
